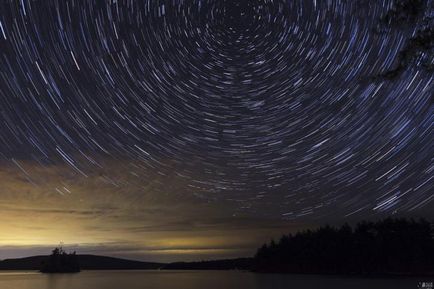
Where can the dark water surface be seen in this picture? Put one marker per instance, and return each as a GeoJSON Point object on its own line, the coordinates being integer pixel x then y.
{"type": "Point", "coordinates": [193, 280]}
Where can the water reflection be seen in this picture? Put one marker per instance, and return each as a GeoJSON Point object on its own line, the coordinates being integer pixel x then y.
{"type": "Point", "coordinates": [192, 280]}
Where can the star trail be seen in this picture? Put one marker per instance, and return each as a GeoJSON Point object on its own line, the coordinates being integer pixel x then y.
{"type": "Point", "coordinates": [271, 107]}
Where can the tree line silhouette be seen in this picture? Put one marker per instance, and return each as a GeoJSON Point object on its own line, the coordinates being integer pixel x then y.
{"type": "Point", "coordinates": [390, 246]}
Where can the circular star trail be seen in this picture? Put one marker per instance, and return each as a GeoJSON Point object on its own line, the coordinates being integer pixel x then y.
{"type": "Point", "coordinates": [266, 104]}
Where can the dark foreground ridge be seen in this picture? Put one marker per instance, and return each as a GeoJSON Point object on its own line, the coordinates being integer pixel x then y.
{"type": "Point", "coordinates": [387, 247]}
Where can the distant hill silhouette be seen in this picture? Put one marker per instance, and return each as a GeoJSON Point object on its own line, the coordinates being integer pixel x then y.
{"type": "Point", "coordinates": [390, 246]}
{"type": "Point", "coordinates": [227, 264]}
{"type": "Point", "coordinates": [86, 262]}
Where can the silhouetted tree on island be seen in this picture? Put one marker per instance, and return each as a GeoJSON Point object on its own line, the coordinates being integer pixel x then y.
{"type": "Point", "coordinates": [61, 262]}
{"type": "Point", "coordinates": [390, 246]}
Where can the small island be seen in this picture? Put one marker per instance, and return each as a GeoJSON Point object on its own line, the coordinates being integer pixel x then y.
{"type": "Point", "coordinates": [61, 262]}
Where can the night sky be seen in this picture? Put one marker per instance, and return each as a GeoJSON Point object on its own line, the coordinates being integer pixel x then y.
{"type": "Point", "coordinates": [181, 130]}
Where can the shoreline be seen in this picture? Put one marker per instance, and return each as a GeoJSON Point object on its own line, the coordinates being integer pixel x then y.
{"type": "Point", "coordinates": [325, 276]}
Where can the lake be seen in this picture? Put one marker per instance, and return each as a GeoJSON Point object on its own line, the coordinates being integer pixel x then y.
{"type": "Point", "coordinates": [194, 280]}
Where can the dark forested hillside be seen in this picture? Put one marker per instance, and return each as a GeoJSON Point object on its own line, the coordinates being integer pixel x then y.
{"type": "Point", "coordinates": [391, 246]}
